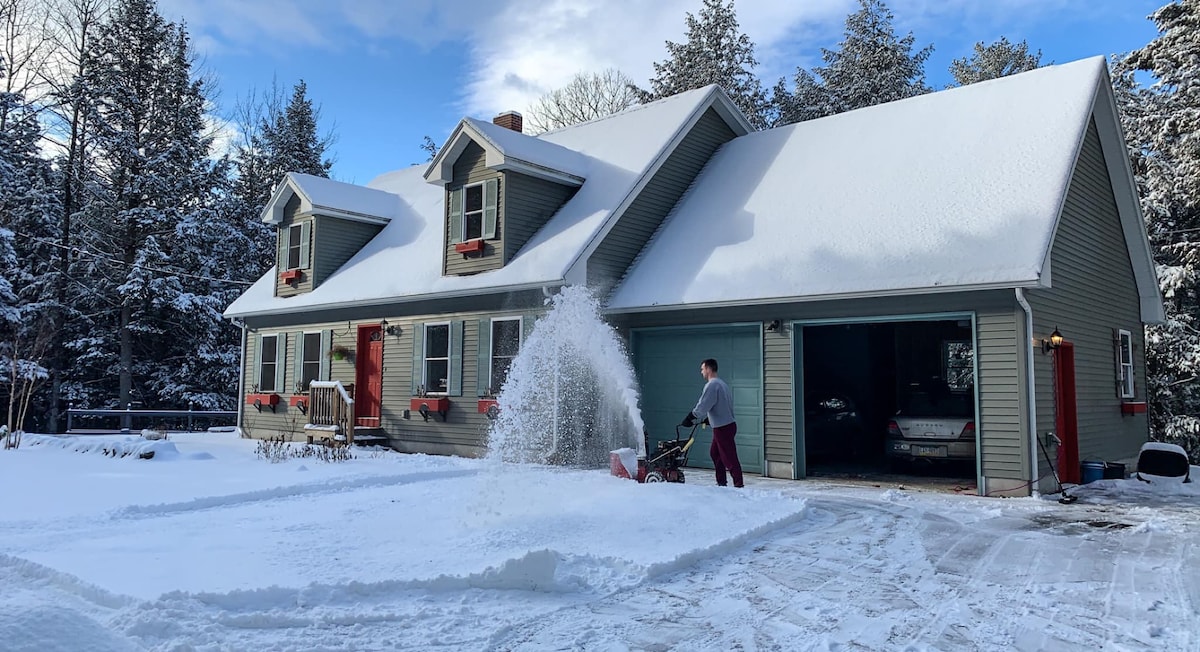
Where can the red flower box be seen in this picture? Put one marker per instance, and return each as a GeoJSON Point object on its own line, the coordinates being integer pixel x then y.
{"type": "Point", "coordinates": [485, 404]}
{"type": "Point", "coordinates": [299, 400]}
{"type": "Point", "coordinates": [260, 400]}
{"type": "Point", "coordinates": [434, 404]}
{"type": "Point", "coordinates": [290, 276]}
{"type": "Point", "coordinates": [1133, 407]}
{"type": "Point", "coordinates": [469, 246]}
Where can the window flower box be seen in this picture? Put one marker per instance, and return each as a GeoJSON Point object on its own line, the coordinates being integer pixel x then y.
{"type": "Point", "coordinates": [300, 402]}
{"type": "Point", "coordinates": [261, 400]}
{"type": "Point", "coordinates": [1133, 407]}
{"type": "Point", "coordinates": [470, 246]}
{"type": "Point", "coordinates": [488, 406]}
{"type": "Point", "coordinates": [290, 276]}
{"type": "Point", "coordinates": [438, 404]}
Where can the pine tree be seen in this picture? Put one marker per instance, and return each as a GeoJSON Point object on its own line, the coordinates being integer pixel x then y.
{"type": "Point", "coordinates": [871, 66]}
{"type": "Point", "coordinates": [292, 139]}
{"type": "Point", "coordinates": [715, 52]}
{"type": "Point", "coordinates": [1162, 123]}
{"type": "Point", "coordinates": [145, 114]}
{"type": "Point", "coordinates": [999, 59]}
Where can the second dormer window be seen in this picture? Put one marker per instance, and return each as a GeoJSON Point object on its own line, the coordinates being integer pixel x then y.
{"type": "Point", "coordinates": [295, 246]}
{"type": "Point", "coordinates": [472, 227]}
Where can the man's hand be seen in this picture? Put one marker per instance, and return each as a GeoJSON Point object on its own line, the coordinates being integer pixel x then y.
{"type": "Point", "coordinates": [688, 420]}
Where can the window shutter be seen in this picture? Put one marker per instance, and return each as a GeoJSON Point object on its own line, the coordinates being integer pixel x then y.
{"type": "Point", "coordinates": [491, 203]}
{"type": "Point", "coordinates": [280, 356]}
{"type": "Point", "coordinates": [483, 372]}
{"type": "Point", "coordinates": [305, 243]}
{"type": "Point", "coordinates": [326, 344]}
{"type": "Point", "coordinates": [298, 369]}
{"type": "Point", "coordinates": [418, 356]}
{"type": "Point", "coordinates": [456, 214]}
{"type": "Point", "coordinates": [456, 358]}
{"type": "Point", "coordinates": [281, 251]}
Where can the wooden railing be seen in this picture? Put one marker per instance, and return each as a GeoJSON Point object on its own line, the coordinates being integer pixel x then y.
{"type": "Point", "coordinates": [331, 405]}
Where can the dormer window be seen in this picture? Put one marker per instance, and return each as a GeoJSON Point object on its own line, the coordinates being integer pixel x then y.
{"type": "Point", "coordinates": [472, 226]}
{"type": "Point", "coordinates": [474, 211]}
{"type": "Point", "coordinates": [294, 246]}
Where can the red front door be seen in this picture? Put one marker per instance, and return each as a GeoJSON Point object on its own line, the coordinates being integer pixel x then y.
{"type": "Point", "coordinates": [1065, 417]}
{"type": "Point", "coordinates": [368, 376]}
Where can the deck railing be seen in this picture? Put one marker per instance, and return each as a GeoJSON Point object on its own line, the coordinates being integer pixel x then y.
{"type": "Point", "coordinates": [330, 405]}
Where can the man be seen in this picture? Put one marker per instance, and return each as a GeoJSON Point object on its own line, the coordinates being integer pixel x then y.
{"type": "Point", "coordinates": [716, 405]}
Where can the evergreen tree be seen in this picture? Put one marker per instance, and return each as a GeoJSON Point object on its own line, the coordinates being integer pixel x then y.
{"type": "Point", "coordinates": [292, 140]}
{"type": "Point", "coordinates": [715, 52]}
{"type": "Point", "coordinates": [871, 66]}
{"type": "Point", "coordinates": [999, 59]}
{"type": "Point", "coordinates": [145, 116]}
{"type": "Point", "coordinates": [1162, 123]}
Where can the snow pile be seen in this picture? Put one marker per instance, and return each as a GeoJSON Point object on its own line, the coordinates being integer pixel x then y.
{"type": "Point", "coordinates": [128, 446]}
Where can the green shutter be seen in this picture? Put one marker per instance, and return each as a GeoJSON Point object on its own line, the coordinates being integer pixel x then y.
{"type": "Point", "coordinates": [491, 192]}
{"type": "Point", "coordinates": [258, 367]}
{"type": "Point", "coordinates": [280, 356]}
{"type": "Point", "coordinates": [456, 358]}
{"type": "Point", "coordinates": [298, 368]}
{"type": "Point", "coordinates": [305, 243]}
{"type": "Point", "coordinates": [483, 370]}
{"type": "Point", "coordinates": [418, 356]}
{"type": "Point", "coordinates": [456, 214]}
{"type": "Point", "coordinates": [281, 253]}
{"type": "Point", "coordinates": [326, 342]}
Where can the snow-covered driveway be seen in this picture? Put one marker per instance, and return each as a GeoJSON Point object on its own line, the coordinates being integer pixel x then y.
{"type": "Point", "coordinates": [207, 548]}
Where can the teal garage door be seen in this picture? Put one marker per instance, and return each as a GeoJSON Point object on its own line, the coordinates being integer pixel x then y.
{"type": "Point", "coordinates": [667, 361]}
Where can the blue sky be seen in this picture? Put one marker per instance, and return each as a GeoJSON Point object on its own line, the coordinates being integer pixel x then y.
{"type": "Point", "coordinates": [388, 72]}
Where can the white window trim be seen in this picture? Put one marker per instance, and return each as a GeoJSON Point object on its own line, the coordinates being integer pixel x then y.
{"type": "Point", "coordinates": [492, 344]}
{"type": "Point", "coordinates": [482, 209]}
{"type": "Point", "coordinates": [425, 359]}
{"type": "Point", "coordinates": [258, 372]}
{"type": "Point", "coordinates": [304, 351]}
{"type": "Point", "coordinates": [1125, 370]}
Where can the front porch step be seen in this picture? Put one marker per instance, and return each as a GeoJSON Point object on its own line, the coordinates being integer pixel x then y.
{"type": "Point", "coordinates": [368, 436]}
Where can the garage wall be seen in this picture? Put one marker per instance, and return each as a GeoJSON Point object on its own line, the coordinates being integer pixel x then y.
{"type": "Point", "coordinates": [1093, 294]}
{"type": "Point", "coordinates": [1005, 452]}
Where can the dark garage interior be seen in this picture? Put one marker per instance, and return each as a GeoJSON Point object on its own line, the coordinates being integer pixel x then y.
{"type": "Point", "coordinates": [877, 396]}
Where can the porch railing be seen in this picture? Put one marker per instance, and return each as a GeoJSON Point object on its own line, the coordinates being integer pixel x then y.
{"type": "Point", "coordinates": [330, 405]}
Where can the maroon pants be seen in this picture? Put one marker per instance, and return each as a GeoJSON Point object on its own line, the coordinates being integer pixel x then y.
{"type": "Point", "coordinates": [724, 454]}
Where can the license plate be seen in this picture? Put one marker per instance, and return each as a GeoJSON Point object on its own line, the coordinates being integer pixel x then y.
{"type": "Point", "coordinates": [929, 451]}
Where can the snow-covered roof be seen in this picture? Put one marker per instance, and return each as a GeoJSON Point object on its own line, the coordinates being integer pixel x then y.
{"type": "Point", "coordinates": [957, 189]}
{"type": "Point", "coordinates": [506, 149]}
{"type": "Point", "coordinates": [329, 197]}
{"type": "Point", "coordinates": [614, 155]}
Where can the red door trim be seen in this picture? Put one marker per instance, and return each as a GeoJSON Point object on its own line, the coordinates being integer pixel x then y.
{"type": "Point", "coordinates": [1066, 420]}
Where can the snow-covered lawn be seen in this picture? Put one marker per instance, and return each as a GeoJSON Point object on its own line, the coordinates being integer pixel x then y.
{"type": "Point", "coordinates": [205, 547]}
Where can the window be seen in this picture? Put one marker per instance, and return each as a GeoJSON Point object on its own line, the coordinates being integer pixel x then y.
{"type": "Point", "coordinates": [268, 363]}
{"type": "Point", "coordinates": [295, 245]}
{"type": "Point", "coordinates": [310, 362]}
{"type": "Point", "coordinates": [1125, 363]}
{"type": "Point", "coordinates": [473, 212]}
{"type": "Point", "coordinates": [437, 358]}
{"type": "Point", "coordinates": [506, 343]}
{"type": "Point", "coordinates": [959, 362]}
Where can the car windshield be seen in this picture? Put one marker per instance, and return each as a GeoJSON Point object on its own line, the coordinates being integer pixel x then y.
{"type": "Point", "coordinates": [933, 399]}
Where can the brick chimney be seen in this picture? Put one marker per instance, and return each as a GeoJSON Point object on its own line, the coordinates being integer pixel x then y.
{"type": "Point", "coordinates": [509, 120]}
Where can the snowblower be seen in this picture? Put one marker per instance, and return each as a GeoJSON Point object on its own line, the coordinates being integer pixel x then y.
{"type": "Point", "coordinates": [665, 464]}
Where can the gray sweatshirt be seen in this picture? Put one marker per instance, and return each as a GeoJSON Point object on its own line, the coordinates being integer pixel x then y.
{"type": "Point", "coordinates": [716, 402]}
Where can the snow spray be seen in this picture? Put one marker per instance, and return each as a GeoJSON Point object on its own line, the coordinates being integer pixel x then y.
{"type": "Point", "coordinates": [571, 395]}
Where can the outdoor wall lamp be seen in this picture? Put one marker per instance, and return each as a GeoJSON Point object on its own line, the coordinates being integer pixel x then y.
{"type": "Point", "coordinates": [390, 329]}
{"type": "Point", "coordinates": [774, 326]}
{"type": "Point", "coordinates": [1055, 341]}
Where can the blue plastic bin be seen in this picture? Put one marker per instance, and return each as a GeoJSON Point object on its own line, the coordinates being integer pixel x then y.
{"type": "Point", "coordinates": [1091, 471]}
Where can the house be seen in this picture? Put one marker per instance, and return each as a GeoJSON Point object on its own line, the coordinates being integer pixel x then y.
{"type": "Point", "coordinates": [922, 248]}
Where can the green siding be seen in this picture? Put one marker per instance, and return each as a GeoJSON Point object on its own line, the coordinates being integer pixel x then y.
{"type": "Point", "coordinates": [1005, 447]}
{"type": "Point", "coordinates": [336, 240]}
{"type": "Point", "coordinates": [1093, 294]}
{"type": "Point", "coordinates": [528, 204]}
{"type": "Point", "coordinates": [469, 169]}
{"type": "Point", "coordinates": [291, 216]}
{"type": "Point", "coordinates": [463, 433]}
{"type": "Point", "coordinates": [611, 259]}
